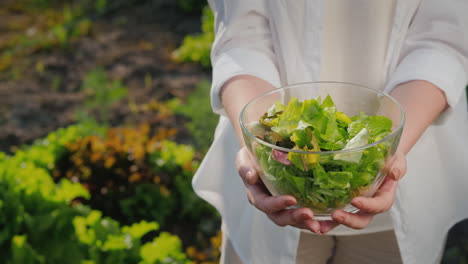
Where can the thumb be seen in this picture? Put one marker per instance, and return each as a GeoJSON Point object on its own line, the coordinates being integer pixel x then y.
{"type": "Point", "coordinates": [246, 166]}
{"type": "Point", "coordinates": [397, 168]}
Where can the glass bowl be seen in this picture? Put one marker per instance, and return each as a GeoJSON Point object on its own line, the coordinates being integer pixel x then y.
{"type": "Point", "coordinates": [365, 166]}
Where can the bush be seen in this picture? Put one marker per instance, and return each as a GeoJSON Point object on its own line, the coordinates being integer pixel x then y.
{"type": "Point", "coordinates": [197, 48]}
{"type": "Point", "coordinates": [133, 176]}
{"type": "Point", "coordinates": [37, 224]}
{"type": "Point", "coordinates": [113, 167]}
{"type": "Point", "coordinates": [191, 5]}
{"type": "Point", "coordinates": [456, 247]}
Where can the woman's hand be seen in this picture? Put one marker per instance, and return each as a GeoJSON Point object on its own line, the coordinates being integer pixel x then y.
{"type": "Point", "coordinates": [368, 207]}
{"type": "Point", "coordinates": [275, 207]}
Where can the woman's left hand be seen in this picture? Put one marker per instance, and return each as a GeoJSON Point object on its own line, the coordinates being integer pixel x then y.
{"type": "Point", "coordinates": [381, 202]}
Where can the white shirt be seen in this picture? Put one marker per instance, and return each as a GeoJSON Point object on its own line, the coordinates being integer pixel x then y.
{"type": "Point", "coordinates": [279, 41]}
{"type": "Point", "coordinates": [354, 44]}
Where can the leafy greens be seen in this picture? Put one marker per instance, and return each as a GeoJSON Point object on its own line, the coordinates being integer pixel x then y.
{"type": "Point", "coordinates": [321, 181]}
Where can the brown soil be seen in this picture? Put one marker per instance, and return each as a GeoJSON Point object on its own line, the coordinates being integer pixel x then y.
{"type": "Point", "coordinates": [130, 44]}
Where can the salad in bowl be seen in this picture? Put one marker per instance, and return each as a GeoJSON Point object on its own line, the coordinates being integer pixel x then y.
{"type": "Point", "coordinates": [323, 143]}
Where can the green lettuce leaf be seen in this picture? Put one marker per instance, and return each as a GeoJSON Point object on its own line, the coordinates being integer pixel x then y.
{"type": "Point", "coordinates": [302, 135]}
{"type": "Point", "coordinates": [275, 109]}
{"type": "Point", "coordinates": [339, 179]}
{"type": "Point", "coordinates": [270, 118]}
{"type": "Point", "coordinates": [378, 126]}
{"type": "Point", "coordinates": [289, 119]}
{"type": "Point", "coordinates": [358, 123]}
{"type": "Point", "coordinates": [361, 139]}
{"type": "Point", "coordinates": [328, 102]}
{"type": "Point", "coordinates": [331, 132]}
{"type": "Point", "coordinates": [332, 179]}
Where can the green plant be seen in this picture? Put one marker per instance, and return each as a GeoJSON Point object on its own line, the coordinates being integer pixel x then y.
{"type": "Point", "coordinates": [34, 218]}
{"type": "Point", "coordinates": [191, 5]}
{"type": "Point", "coordinates": [456, 247]}
{"type": "Point", "coordinates": [203, 121]}
{"type": "Point", "coordinates": [148, 202]}
{"type": "Point", "coordinates": [45, 152]}
{"type": "Point", "coordinates": [113, 167]}
{"type": "Point", "coordinates": [101, 93]}
{"type": "Point", "coordinates": [33, 208]}
{"type": "Point", "coordinates": [197, 48]}
{"type": "Point", "coordinates": [106, 242]}
{"type": "Point", "coordinates": [133, 176]}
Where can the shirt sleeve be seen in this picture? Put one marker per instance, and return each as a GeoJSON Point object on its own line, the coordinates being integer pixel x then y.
{"type": "Point", "coordinates": [436, 48]}
{"type": "Point", "coordinates": [242, 45]}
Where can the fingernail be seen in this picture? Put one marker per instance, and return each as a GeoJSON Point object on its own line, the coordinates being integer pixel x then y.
{"type": "Point", "coordinates": [338, 218]}
{"type": "Point", "coordinates": [357, 203]}
{"type": "Point", "coordinates": [316, 227]}
{"type": "Point", "coordinates": [289, 203]}
{"type": "Point", "coordinates": [249, 176]}
{"type": "Point", "coordinates": [324, 228]}
{"type": "Point", "coordinates": [306, 216]}
{"type": "Point", "coordinates": [396, 173]}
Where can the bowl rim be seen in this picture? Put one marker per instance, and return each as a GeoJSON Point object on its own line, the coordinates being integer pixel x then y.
{"type": "Point", "coordinates": [351, 150]}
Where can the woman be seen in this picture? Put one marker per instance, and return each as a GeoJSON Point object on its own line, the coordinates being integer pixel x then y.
{"type": "Point", "coordinates": [415, 49]}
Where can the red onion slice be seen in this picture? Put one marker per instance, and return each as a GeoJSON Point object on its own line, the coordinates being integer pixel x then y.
{"type": "Point", "coordinates": [280, 156]}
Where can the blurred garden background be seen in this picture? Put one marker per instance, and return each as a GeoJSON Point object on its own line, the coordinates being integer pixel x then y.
{"type": "Point", "coordinates": [104, 118]}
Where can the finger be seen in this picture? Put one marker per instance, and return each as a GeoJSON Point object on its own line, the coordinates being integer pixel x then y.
{"type": "Point", "coordinates": [259, 197]}
{"type": "Point", "coordinates": [311, 225]}
{"type": "Point", "coordinates": [382, 200]}
{"type": "Point", "coordinates": [246, 167]}
{"type": "Point", "coordinates": [397, 166]}
{"type": "Point", "coordinates": [327, 226]}
{"type": "Point", "coordinates": [357, 220]}
{"type": "Point", "coordinates": [291, 216]}
{"type": "Point", "coordinates": [301, 218]}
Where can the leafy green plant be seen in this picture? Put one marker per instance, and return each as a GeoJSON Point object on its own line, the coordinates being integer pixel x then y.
{"type": "Point", "coordinates": [114, 167]}
{"type": "Point", "coordinates": [107, 242]}
{"type": "Point", "coordinates": [149, 202]}
{"type": "Point", "coordinates": [456, 247]}
{"type": "Point", "coordinates": [45, 152]}
{"type": "Point", "coordinates": [140, 172]}
{"type": "Point", "coordinates": [197, 108]}
{"type": "Point", "coordinates": [133, 176]}
{"type": "Point", "coordinates": [177, 161]}
{"type": "Point", "coordinates": [34, 208]}
{"type": "Point", "coordinates": [191, 5]}
{"type": "Point", "coordinates": [197, 48]}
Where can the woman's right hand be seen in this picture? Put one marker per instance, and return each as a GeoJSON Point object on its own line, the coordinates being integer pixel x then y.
{"type": "Point", "coordinates": [275, 207]}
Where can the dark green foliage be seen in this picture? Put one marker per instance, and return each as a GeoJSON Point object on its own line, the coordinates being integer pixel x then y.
{"type": "Point", "coordinates": [191, 5]}
{"type": "Point", "coordinates": [456, 248]}
{"type": "Point", "coordinates": [147, 202]}
{"type": "Point", "coordinates": [203, 121]}
{"type": "Point", "coordinates": [173, 160]}
{"type": "Point", "coordinates": [133, 176]}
